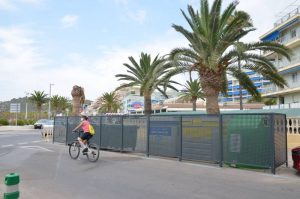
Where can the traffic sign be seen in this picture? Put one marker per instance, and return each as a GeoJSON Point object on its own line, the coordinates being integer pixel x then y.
{"type": "Point", "coordinates": [15, 107]}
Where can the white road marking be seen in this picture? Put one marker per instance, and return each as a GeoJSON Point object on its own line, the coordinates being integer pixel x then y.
{"type": "Point", "coordinates": [36, 148]}
{"type": "Point", "coordinates": [8, 145]}
{"type": "Point", "coordinates": [36, 141]}
{"type": "Point", "coordinates": [22, 143]}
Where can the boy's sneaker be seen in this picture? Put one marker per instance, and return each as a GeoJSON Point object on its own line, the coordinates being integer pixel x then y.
{"type": "Point", "coordinates": [84, 151]}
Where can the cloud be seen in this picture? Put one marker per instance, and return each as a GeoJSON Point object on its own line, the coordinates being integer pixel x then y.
{"type": "Point", "coordinates": [263, 17]}
{"type": "Point", "coordinates": [121, 2]}
{"type": "Point", "coordinates": [25, 69]}
{"type": "Point", "coordinates": [33, 2]}
{"type": "Point", "coordinates": [7, 5]}
{"type": "Point", "coordinates": [18, 49]}
{"type": "Point", "coordinates": [69, 21]}
{"type": "Point", "coordinates": [138, 16]}
{"type": "Point", "coordinates": [21, 61]}
{"type": "Point", "coordinates": [10, 5]}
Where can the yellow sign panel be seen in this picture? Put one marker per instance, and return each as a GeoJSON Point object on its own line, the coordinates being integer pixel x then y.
{"type": "Point", "coordinates": [199, 122]}
{"type": "Point", "coordinates": [192, 132]}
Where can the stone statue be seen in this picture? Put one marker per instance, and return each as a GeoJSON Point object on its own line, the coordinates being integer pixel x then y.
{"type": "Point", "coordinates": [78, 99]}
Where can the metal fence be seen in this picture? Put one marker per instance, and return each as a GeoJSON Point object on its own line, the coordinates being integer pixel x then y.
{"type": "Point", "coordinates": [240, 140]}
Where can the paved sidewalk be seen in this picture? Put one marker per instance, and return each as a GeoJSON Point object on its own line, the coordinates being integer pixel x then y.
{"type": "Point", "coordinates": [16, 128]}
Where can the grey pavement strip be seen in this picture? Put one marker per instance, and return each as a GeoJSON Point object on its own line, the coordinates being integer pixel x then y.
{"type": "Point", "coordinates": [22, 143]}
{"type": "Point", "coordinates": [36, 148]}
{"type": "Point", "coordinates": [8, 145]}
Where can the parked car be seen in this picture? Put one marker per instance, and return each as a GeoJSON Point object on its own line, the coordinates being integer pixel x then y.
{"type": "Point", "coordinates": [40, 123]}
{"type": "Point", "coordinates": [49, 124]}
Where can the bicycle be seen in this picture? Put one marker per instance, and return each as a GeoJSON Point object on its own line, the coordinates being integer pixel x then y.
{"type": "Point", "coordinates": [92, 153]}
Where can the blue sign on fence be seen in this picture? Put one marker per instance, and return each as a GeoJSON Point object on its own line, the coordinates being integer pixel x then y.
{"type": "Point", "coordinates": [166, 131]}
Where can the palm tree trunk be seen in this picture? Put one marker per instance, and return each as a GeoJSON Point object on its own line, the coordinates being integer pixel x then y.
{"type": "Point", "coordinates": [147, 104]}
{"type": "Point", "coordinates": [212, 105]}
{"type": "Point", "coordinates": [240, 88]}
{"type": "Point", "coordinates": [39, 108]}
{"type": "Point", "coordinates": [241, 98]}
{"type": "Point", "coordinates": [194, 104]}
{"type": "Point", "coordinates": [211, 83]}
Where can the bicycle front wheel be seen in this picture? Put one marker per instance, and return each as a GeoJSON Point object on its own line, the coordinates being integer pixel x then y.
{"type": "Point", "coordinates": [93, 153]}
{"type": "Point", "coordinates": [74, 150]}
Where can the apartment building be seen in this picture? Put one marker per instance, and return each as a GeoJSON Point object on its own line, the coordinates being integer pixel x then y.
{"type": "Point", "coordinates": [233, 94]}
{"type": "Point", "coordinates": [286, 31]}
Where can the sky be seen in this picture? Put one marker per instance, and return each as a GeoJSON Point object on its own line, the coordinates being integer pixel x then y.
{"type": "Point", "coordinates": [85, 43]}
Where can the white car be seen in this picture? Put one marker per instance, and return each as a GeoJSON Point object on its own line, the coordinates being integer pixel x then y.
{"type": "Point", "coordinates": [48, 124]}
{"type": "Point", "coordinates": [40, 123]}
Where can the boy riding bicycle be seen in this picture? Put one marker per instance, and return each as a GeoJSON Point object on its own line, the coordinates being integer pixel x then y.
{"type": "Point", "coordinates": [84, 124]}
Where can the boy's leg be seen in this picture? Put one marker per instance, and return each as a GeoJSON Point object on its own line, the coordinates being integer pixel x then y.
{"type": "Point", "coordinates": [81, 142]}
{"type": "Point", "coordinates": [85, 143]}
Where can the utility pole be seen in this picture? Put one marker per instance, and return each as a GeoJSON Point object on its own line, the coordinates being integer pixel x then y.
{"type": "Point", "coordinates": [26, 111]}
{"type": "Point", "coordinates": [49, 110]}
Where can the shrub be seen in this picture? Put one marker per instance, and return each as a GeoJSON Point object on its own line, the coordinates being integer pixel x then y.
{"type": "Point", "coordinates": [4, 122]}
{"type": "Point", "coordinates": [30, 122]}
{"type": "Point", "coordinates": [21, 123]}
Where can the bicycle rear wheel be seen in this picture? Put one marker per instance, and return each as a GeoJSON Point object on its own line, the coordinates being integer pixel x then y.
{"type": "Point", "coordinates": [74, 150]}
{"type": "Point", "coordinates": [93, 153]}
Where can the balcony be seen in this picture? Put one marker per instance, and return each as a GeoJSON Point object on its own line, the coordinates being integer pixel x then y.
{"type": "Point", "coordinates": [269, 89]}
{"type": "Point", "coordinates": [287, 17]}
{"type": "Point", "coordinates": [283, 106]}
{"type": "Point", "coordinates": [283, 65]}
{"type": "Point", "coordinates": [287, 41]}
{"type": "Point", "coordinates": [273, 91]}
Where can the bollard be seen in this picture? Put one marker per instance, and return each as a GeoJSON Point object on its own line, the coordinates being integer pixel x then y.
{"type": "Point", "coordinates": [12, 186]}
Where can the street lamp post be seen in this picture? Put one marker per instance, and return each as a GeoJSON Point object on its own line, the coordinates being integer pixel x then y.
{"type": "Point", "coordinates": [49, 110]}
{"type": "Point", "coordinates": [26, 111]}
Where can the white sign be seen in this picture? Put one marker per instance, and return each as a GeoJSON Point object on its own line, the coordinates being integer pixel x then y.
{"type": "Point", "coordinates": [15, 108]}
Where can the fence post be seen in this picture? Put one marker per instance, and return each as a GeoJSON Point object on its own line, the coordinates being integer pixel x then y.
{"type": "Point", "coordinates": [53, 130]}
{"type": "Point", "coordinates": [122, 135]}
{"type": "Point", "coordinates": [221, 139]}
{"type": "Point", "coordinates": [100, 130]}
{"type": "Point", "coordinates": [180, 137]}
{"type": "Point", "coordinates": [12, 181]}
{"type": "Point", "coordinates": [286, 142]}
{"type": "Point", "coordinates": [272, 144]}
{"type": "Point", "coordinates": [148, 135]}
{"type": "Point", "coordinates": [67, 130]}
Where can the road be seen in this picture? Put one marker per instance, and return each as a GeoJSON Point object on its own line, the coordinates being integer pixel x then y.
{"type": "Point", "coordinates": [48, 172]}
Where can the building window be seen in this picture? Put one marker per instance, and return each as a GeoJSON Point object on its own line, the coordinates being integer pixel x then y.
{"type": "Point", "coordinates": [293, 33]}
{"type": "Point", "coordinates": [294, 77]}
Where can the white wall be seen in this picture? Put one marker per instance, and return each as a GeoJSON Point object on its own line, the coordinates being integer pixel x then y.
{"type": "Point", "coordinates": [292, 98]}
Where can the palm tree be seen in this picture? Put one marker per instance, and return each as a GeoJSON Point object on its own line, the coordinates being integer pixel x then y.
{"type": "Point", "coordinates": [149, 75]}
{"type": "Point", "coordinates": [55, 103]}
{"type": "Point", "coordinates": [59, 103]}
{"type": "Point", "coordinates": [110, 102]}
{"type": "Point", "coordinates": [38, 98]}
{"type": "Point", "coordinates": [193, 92]}
{"type": "Point", "coordinates": [64, 104]}
{"type": "Point", "coordinates": [212, 55]}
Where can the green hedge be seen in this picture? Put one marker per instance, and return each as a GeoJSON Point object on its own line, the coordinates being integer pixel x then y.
{"type": "Point", "coordinates": [30, 122]}
{"type": "Point", "coordinates": [3, 122]}
{"type": "Point", "coordinates": [22, 122]}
